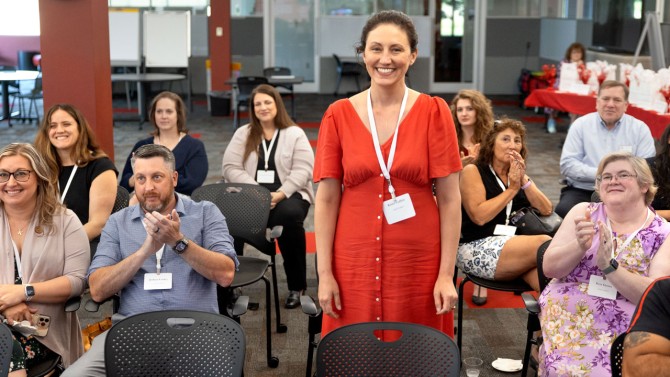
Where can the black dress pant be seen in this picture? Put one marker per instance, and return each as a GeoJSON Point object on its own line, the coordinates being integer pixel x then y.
{"type": "Point", "coordinates": [571, 196]}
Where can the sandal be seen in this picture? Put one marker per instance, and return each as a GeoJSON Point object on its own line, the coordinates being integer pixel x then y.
{"type": "Point", "coordinates": [477, 298]}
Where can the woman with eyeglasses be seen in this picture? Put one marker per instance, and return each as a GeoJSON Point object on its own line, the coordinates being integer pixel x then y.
{"type": "Point", "coordinates": [44, 260]}
{"type": "Point", "coordinates": [86, 176]}
{"type": "Point", "coordinates": [492, 188]}
{"type": "Point", "coordinates": [602, 259]}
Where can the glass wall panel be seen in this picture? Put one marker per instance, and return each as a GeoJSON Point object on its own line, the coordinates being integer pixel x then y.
{"type": "Point", "coordinates": [513, 8]}
{"type": "Point", "coordinates": [347, 7]}
{"type": "Point", "coordinates": [410, 7]}
{"type": "Point", "coordinates": [294, 36]}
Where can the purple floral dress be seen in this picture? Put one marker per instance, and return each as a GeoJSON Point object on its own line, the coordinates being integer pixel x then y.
{"type": "Point", "coordinates": [578, 329]}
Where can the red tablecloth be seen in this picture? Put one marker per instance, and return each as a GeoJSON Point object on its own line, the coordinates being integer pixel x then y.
{"type": "Point", "coordinates": [578, 104]}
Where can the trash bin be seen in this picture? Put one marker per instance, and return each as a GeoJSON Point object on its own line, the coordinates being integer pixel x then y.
{"type": "Point", "coordinates": [220, 103]}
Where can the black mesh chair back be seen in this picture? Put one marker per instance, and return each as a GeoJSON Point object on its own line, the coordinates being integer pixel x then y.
{"type": "Point", "coordinates": [247, 208]}
{"type": "Point", "coordinates": [6, 348]}
{"type": "Point", "coordinates": [616, 355]}
{"type": "Point", "coordinates": [354, 350]}
{"type": "Point", "coordinates": [175, 343]}
{"type": "Point", "coordinates": [245, 85]}
{"type": "Point", "coordinates": [122, 199]}
{"type": "Point", "coordinates": [350, 69]}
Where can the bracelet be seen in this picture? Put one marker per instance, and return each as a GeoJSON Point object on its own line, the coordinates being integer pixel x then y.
{"type": "Point", "coordinates": [527, 184]}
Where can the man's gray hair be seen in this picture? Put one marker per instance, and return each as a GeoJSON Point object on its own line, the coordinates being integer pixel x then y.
{"type": "Point", "coordinates": [154, 150]}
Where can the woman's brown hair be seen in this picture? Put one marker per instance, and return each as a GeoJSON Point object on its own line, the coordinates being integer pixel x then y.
{"type": "Point", "coordinates": [282, 120]}
{"type": "Point", "coordinates": [484, 117]}
{"type": "Point", "coordinates": [86, 148]}
{"type": "Point", "coordinates": [180, 108]}
{"type": "Point", "coordinates": [486, 148]}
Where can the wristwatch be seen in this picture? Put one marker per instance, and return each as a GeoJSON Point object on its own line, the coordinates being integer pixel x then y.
{"type": "Point", "coordinates": [181, 246]}
{"type": "Point", "coordinates": [611, 268]}
{"type": "Point", "coordinates": [30, 292]}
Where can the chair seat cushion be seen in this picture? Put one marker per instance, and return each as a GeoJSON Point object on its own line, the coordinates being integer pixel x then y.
{"type": "Point", "coordinates": [250, 270]}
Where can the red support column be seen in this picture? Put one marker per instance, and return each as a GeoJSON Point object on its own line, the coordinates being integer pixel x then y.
{"type": "Point", "coordinates": [75, 61]}
{"type": "Point", "coordinates": [219, 43]}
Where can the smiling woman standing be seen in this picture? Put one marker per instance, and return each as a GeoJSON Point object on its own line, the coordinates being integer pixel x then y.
{"type": "Point", "coordinates": [273, 152]}
{"type": "Point", "coordinates": [86, 176]}
{"type": "Point", "coordinates": [386, 247]}
{"type": "Point", "coordinates": [168, 115]}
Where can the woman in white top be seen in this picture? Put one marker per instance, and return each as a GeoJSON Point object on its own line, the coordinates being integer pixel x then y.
{"type": "Point", "coordinates": [273, 152]}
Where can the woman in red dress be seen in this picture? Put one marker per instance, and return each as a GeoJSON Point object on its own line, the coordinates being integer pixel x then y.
{"type": "Point", "coordinates": [386, 246]}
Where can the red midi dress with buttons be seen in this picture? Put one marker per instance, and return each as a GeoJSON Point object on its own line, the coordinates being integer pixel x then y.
{"type": "Point", "coordinates": [387, 272]}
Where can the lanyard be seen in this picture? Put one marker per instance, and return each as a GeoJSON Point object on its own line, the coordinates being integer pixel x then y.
{"type": "Point", "coordinates": [17, 257]}
{"type": "Point", "coordinates": [267, 149]}
{"type": "Point", "coordinates": [159, 254]}
{"type": "Point", "coordinates": [67, 185]}
{"type": "Point", "coordinates": [508, 210]}
{"type": "Point", "coordinates": [631, 236]}
{"type": "Point", "coordinates": [375, 139]}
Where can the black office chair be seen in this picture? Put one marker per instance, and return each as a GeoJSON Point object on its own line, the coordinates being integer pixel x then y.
{"type": "Point", "coordinates": [32, 97]}
{"type": "Point", "coordinates": [347, 69]}
{"type": "Point", "coordinates": [6, 349]}
{"type": "Point", "coordinates": [245, 85]}
{"type": "Point", "coordinates": [282, 71]}
{"type": "Point", "coordinates": [175, 343]}
{"type": "Point", "coordinates": [533, 308]}
{"type": "Point", "coordinates": [313, 329]}
{"type": "Point", "coordinates": [354, 350]}
{"type": "Point", "coordinates": [247, 208]}
{"type": "Point", "coordinates": [616, 355]}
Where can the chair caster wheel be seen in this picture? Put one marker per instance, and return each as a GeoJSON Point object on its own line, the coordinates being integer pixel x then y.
{"type": "Point", "coordinates": [282, 328]}
{"type": "Point", "coordinates": [273, 362]}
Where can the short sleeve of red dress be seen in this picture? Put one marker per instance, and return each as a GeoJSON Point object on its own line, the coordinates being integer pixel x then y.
{"type": "Point", "coordinates": [443, 155]}
{"type": "Point", "coordinates": [328, 159]}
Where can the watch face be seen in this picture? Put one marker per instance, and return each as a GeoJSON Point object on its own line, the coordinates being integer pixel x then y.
{"type": "Point", "coordinates": [30, 291]}
{"type": "Point", "coordinates": [181, 245]}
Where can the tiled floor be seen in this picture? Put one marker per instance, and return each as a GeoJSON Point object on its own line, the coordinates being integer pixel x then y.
{"type": "Point", "coordinates": [489, 333]}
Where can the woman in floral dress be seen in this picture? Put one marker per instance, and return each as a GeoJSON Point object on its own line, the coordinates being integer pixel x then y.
{"type": "Point", "coordinates": [602, 258]}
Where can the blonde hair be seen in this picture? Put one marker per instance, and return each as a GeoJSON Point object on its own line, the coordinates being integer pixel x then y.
{"type": "Point", "coordinates": [644, 176]}
{"type": "Point", "coordinates": [47, 203]}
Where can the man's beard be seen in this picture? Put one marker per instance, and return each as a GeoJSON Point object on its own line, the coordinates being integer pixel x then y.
{"type": "Point", "coordinates": [158, 207]}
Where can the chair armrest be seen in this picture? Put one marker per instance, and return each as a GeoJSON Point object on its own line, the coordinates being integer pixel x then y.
{"type": "Point", "coordinates": [92, 306]}
{"type": "Point", "coordinates": [531, 303]}
{"type": "Point", "coordinates": [73, 304]}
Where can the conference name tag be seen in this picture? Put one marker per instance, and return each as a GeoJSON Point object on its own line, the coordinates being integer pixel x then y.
{"type": "Point", "coordinates": [398, 209]}
{"type": "Point", "coordinates": [265, 176]}
{"type": "Point", "coordinates": [600, 287]}
{"type": "Point", "coordinates": [154, 281]}
{"type": "Point", "coordinates": [504, 230]}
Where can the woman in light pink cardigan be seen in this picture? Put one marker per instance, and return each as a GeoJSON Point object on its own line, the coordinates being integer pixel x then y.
{"type": "Point", "coordinates": [286, 172]}
{"type": "Point", "coordinates": [43, 259]}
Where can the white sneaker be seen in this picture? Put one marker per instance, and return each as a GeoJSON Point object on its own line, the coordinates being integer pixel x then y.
{"type": "Point", "coordinates": [551, 125]}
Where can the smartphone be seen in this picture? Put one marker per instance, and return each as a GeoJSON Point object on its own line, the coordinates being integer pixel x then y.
{"type": "Point", "coordinates": [41, 322]}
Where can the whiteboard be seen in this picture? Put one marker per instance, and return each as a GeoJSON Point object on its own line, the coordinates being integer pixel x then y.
{"type": "Point", "coordinates": [167, 39]}
{"type": "Point", "coordinates": [124, 37]}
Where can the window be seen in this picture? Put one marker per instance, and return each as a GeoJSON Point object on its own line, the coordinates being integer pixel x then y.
{"type": "Point", "coordinates": [20, 17]}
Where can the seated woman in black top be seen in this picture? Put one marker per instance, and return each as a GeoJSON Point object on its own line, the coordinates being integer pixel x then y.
{"type": "Point", "coordinates": [86, 176]}
{"type": "Point", "coordinates": [491, 189]}
{"type": "Point", "coordinates": [660, 167]}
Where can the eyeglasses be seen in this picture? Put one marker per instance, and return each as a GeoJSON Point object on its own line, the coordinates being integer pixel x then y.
{"type": "Point", "coordinates": [621, 176]}
{"type": "Point", "coordinates": [19, 175]}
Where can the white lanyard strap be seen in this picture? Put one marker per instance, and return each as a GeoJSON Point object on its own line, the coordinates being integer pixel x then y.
{"type": "Point", "coordinates": [375, 139]}
{"type": "Point", "coordinates": [267, 149]}
{"type": "Point", "coordinates": [17, 257]}
{"type": "Point", "coordinates": [508, 210]}
{"type": "Point", "coordinates": [67, 185]}
{"type": "Point", "coordinates": [631, 236]}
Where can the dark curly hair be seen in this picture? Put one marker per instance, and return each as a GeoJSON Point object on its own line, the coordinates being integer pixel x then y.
{"type": "Point", "coordinates": [486, 148]}
{"type": "Point", "coordinates": [393, 17]}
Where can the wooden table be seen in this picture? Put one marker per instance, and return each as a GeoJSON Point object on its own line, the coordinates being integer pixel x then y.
{"type": "Point", "coordinates": [580, 105]}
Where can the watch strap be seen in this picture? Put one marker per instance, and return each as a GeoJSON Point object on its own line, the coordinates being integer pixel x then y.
{"type": "Point", "coordinates": [611, 268]}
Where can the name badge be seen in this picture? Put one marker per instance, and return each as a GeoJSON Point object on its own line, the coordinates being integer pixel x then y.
{"type": "Point", "coordinates": [154, 281]}
{"type": "Point", "coordinates": [265, 176]}
{"type": "Point", "coordinates": [600, 287]}
{"type": "Point", "coordinates": [398, 209]}
{"type": "Point", "coordinates": [504, 230]}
